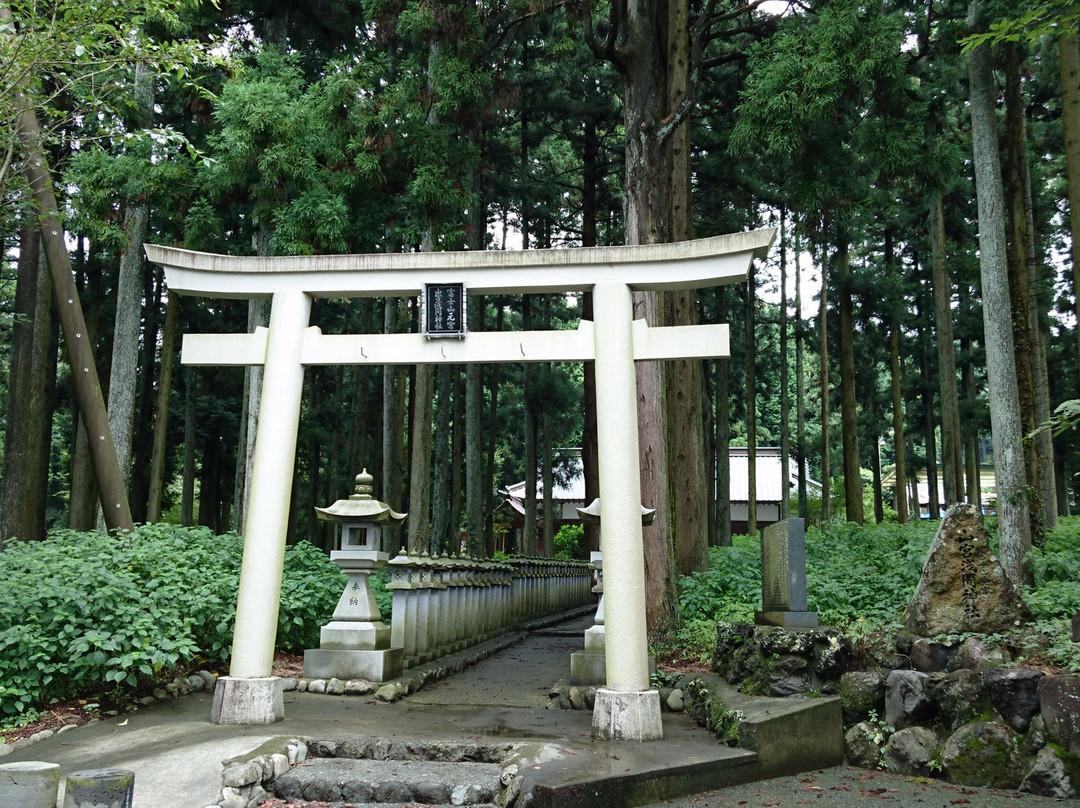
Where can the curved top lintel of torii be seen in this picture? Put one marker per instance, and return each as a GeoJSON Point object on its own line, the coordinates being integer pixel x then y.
{"type": "Point", "coordinates": [692, 264]}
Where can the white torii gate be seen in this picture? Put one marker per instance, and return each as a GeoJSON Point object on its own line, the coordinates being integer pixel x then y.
{"type": "Point", "coordinates": [626, 709]}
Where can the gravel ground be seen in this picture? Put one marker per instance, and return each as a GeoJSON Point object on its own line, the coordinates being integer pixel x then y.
{"type": "Point", "coordinates": [844, 786]}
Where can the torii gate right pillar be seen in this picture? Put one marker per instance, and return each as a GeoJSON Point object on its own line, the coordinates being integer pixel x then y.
{"type": "Point", "coordinates": [626, 709]}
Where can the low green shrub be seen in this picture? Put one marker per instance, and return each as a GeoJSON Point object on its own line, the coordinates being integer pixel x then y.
{"type": "Point", "coordinates": [88, 613]}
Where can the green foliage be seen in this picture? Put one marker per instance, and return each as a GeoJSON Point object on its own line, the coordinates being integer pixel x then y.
{"type": "Point", "coordinates": [860, 578]}
{"type": "Point", "coordinates": [88, 613]}
{"type": "Point", "coordinates": [1052, 17]}
{"type": "Point", "coordinates": [568, 542]}
{"type": "Point", "coordinates": [864, 572]}
{"type": "Point", "coordinates": [730, 589]}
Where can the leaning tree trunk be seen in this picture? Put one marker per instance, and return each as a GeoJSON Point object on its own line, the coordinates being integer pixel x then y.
{"type": "Point", "coordinates": [110, 480]}
{"type": "Point", "coordinates": [1014, 523]}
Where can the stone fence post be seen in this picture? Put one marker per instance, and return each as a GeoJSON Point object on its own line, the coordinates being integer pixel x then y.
{"type": "Point", "coordinates": [445, 604]}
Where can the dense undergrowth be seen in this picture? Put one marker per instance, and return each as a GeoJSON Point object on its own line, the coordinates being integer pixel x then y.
{"type": "Point", "coordinates": [86, 613]}
{"type": "Point", "coordinates": [860, 578]}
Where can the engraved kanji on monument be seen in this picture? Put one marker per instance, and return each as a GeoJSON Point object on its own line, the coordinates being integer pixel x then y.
{"type": "Point", "coordinates": [963, 587]}
{"type": "Point", "coordinates": [783, 576]}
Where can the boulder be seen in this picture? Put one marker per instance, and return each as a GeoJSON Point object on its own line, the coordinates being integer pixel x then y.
{"type": "Point", "coordinates": [1049, 777]}
{"type": "Point", "coordinates": [1013, 694]}
{"type": "Point", "coordinates": [833, 653]}
{"type": "Point", "coordinates": [736, 658]}
{"type": "Point", "coordinates": [979, 655]}
{"type": "Point", "coordinates": [984, 753]}
{"type": "Point", "coordinates": [789, 675]}
{"type": "Point", "coordinates": [960, 698]}
{"type": "Point", "coordinates": [929, 657]}
{"type": "Point", "coordinates": [910, 751]}
{"type": "Point", "coordinates": [963, 588]}
{"type": "Point", "coordinates": [863, 744]}
{"type": "Point", "coordinates": [861, 692]}
{"type": "Point", "coordinates": [1059, 697]}
{"type": "Point", "coordinates": [907, 699]}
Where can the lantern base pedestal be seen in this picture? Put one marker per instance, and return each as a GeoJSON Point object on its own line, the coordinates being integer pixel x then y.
{"type": "Point", "coordinates": [351, 635]}
{"type": "Point", "coordinates": [374, 666]}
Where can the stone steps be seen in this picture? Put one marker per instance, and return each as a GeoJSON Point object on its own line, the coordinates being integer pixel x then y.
{"type": "Point", "coordinates": [390, 782]}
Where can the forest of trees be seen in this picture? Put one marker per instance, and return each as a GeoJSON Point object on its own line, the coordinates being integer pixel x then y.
{"type": "Point", "coordinates": [917, 313]}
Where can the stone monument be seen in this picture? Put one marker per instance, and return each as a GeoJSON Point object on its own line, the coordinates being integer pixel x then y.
{"type": "Point", "coordinates": [355, 644]}
{"type": "Point", "coordinates": [963, 587]}
{"type": "Point", "coordinates": [783, 576]}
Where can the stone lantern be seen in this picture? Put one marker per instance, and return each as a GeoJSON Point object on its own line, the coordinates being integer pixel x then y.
{"type": "Point", "coordinates": [589, 666]}
{"type": "Point", "coordinates": [355, 644]}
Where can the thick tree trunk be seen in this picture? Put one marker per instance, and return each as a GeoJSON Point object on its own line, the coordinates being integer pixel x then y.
{"type": "Point", "coordinates": [394, 391]}
{"type": "Point", "coordinates": [952, 456]}
{"type": "Point", "coordinates": [475, 478]}
{"type": "Point", "coordinates": [853, 501]}
{"type": "Point", "coordinates": [492, 432]}
{"type": "Point", "coordinates": [1014, 522]}
{"type": "Point", "coordinates": [1039, 336]}
{"type": "Point", "coordinates": [23, 486]}
{"type": "Point", "coordinates": [1069, 60]}
{"type": "Point", "coordinates": [686, 424]}
{"type": "Point", "coordinates": [441, 493]}
{"type": "Point", "coordinates": [1020, 281]}
{"type": "Point", "coordinates": [123, 377]}
{"type": "Point", "coordinates": [419, 537]}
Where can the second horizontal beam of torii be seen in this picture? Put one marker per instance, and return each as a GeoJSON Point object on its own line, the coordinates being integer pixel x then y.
{"type": "Point", "coordinates": [627, 708]}
{"type": "Point", "coordinates": [577, 345]}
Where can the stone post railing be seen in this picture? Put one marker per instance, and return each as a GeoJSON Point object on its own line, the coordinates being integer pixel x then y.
{"type": "Point", "coordinates": [444, 604]}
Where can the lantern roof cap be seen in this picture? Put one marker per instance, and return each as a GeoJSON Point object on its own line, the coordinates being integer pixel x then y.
{"type": "Point", "coordinates": [361, 506]}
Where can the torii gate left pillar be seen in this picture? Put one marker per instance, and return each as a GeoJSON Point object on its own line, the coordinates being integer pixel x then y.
{"type": "Point", "coordinates": [626, 709]}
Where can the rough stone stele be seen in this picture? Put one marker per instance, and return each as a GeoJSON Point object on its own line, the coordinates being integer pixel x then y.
{"type": "Point", "coordinates": [963, 588]}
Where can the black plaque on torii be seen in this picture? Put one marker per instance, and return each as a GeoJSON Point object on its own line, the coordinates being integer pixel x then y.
{"type": "Point", "coordinates": [442, 307]}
